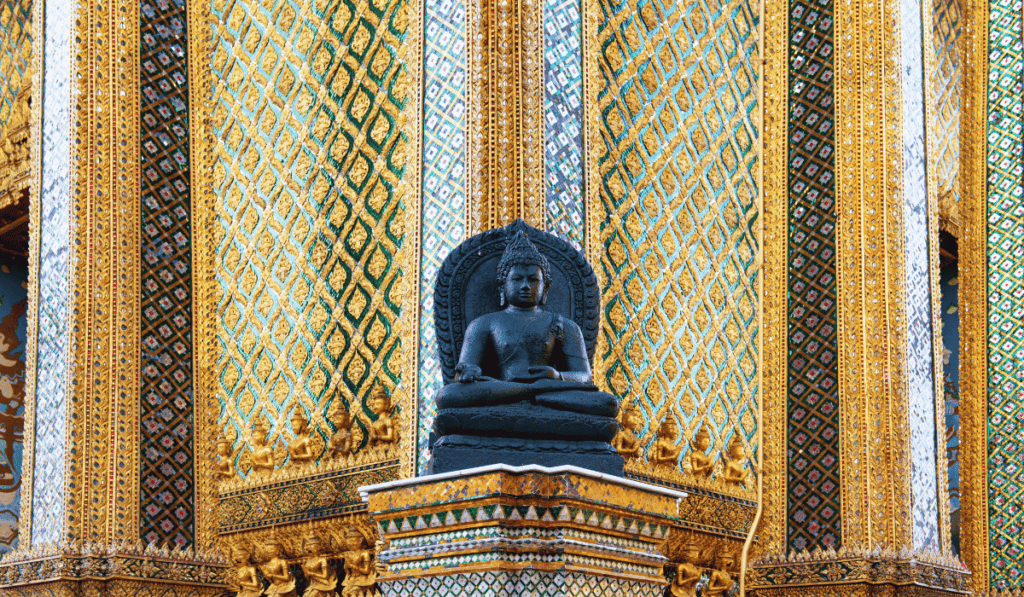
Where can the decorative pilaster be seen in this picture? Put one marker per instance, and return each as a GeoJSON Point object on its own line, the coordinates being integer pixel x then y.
{"type": "Point", "coordinates": [505, 114]}
{"type": "Point", "coordinates": [107, 222]}
{"type": "Point", "coordinates": [862, 400]}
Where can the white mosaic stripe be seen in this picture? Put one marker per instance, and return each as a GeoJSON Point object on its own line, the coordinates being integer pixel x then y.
{"type": "Point", "coordinates": [54, 266]}
{"type": "Point", "coordinates": [920, 380]}
{"type": "Point", "coordinates": [444, 197]}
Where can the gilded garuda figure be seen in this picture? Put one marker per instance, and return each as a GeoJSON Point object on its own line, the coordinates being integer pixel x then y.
{"type": "Point", "coordinates": [520, 307]}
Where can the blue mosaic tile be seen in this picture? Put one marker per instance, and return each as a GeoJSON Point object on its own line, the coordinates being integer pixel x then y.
{"type": "Point", "coordinates": [444, 196]}
{"type": "Point", "coordinates": [563, 116]}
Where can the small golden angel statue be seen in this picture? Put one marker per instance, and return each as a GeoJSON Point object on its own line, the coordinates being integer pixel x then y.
{"type": "Point", "coordinates": [735, 472]}
{"type": "Point", "coordinates": [322, 580]}
{"type": "Point", "coordinates": [341, 441]}
{"type": "Point", "coordinates": [720, 580]}
{"type": "Point", "coordinates": [262, 454]}
{"type": "Point", "coordinates": [249, 584]}
{"type": "Point", "coordinates": [224, 468]}
{"type": "Point", "coordinates": [360, 572]}
{"type": "Point", "coordinates": [282, 583]}
{"type": "Point", "coordinates": [666, 450]}
{"type": "Point", "coordinates": [688, 573]}
{"type": "Point", "coordinates": [625, 440]}
{"type": "Point", "coordinates": [300, 449]}
{"type": "Point", "coordinates": [385, 429]}
{"type": "Point", "coordinates": [701, 463]}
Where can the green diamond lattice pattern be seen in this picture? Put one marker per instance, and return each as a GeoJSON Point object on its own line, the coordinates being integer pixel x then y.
{"type": "Point", "coordinates": [308, 112]}
{"type": "Point", "coordinates": [1006, 294]}
{"type": "Point", "coordinates": [677, 163]}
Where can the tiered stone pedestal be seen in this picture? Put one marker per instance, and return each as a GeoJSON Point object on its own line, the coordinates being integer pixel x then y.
{"type": "Point", "coordinates": [522, 531]}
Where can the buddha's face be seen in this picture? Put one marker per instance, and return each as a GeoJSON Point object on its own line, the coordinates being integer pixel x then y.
{"type": "Point", "coordinates": [630, 419]}
{"type": "Point", "coordinates": [703, 442]}
{"type": "Point", "coordinates": [298, 426]}
{"type": "Point", "coordinates": [379, 405]}
{"type": "Point", "coordinates": [524, 285]}
{"type": "Point", "coordinates": [223, 448]}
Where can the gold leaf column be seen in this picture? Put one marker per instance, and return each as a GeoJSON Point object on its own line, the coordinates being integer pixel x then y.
{"type": "Point", "coordinates": [505, 113]}
{"type": "Point", "coordinates": [101, 400]}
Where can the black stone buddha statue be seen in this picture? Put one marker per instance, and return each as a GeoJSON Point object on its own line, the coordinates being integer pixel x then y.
{"type": "Point", "coordinates": [521, 391]}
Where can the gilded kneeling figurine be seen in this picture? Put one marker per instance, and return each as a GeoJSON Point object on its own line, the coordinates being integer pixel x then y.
{"type": "Point", "coordinates": [523, 374]}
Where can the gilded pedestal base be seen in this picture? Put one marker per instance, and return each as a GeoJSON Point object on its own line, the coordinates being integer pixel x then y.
{"type": "Point", "coordinates": [522, 531]}
{"type": "Point", "coordinates": [114, 571]}
{"type": "Point", "coordinates": [858, 573]}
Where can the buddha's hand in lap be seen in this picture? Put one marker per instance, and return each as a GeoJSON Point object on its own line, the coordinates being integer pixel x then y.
{"type": "Point", "coordinates": [537, 373]}
{"type": "Point", "coordinates": [467, 372]}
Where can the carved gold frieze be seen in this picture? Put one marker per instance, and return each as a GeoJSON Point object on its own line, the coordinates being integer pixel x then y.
{"type": "Point", "coordinates": [857, 571]}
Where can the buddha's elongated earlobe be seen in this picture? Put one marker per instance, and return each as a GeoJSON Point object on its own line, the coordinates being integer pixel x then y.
{"type": "Point", "coordinates": [501, 297]}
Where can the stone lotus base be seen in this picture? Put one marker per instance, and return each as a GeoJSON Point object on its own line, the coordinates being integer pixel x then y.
{"type": "Point", "coordinates": [522, 531]}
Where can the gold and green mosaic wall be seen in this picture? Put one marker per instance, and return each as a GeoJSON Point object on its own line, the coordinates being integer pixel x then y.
{"type": "Point", "coordinates": [673, 193]}
{"type": "Point", "coordinates": [310, 157]}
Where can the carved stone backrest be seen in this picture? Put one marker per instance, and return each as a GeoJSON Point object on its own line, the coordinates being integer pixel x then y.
{"type": "Point", "coordinates": [466, 288]}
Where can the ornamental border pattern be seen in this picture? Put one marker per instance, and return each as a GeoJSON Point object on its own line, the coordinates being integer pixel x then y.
{"type": "Point", "coordinates": [32, 316]}
{"type": "Point", "coordinates": [775, 211]}
{"type": "Point", "coordinates": [872, 373]}
{"type": "Point", "coordinates": [974, 543]}
{"type": "Point", "coordinates": [167, 320]}
{"type": "Point", "coordinates": [934, 272]}
{"type": "Point", "coordinates": [504, 114]}
{"type": "Point", "coordinates": [204, 284]}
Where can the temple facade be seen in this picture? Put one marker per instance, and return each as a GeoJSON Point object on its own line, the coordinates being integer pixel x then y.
{"type": "Point", "coordinates": [222, 222]}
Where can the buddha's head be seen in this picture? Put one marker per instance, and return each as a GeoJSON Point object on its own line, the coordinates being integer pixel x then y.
{"type": "Point", "coordinates": [274, 547]}
{"type": "Point", "coordinates": [298, 422]}
{"type": "Point", "coordinates": [703, 439]}
{"type": "Point", "coordinates": [725, 561]}
{"type": "Point", "coordinates": [524, 274]}
{"type": "Point", "coordinates": [691, 553]}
